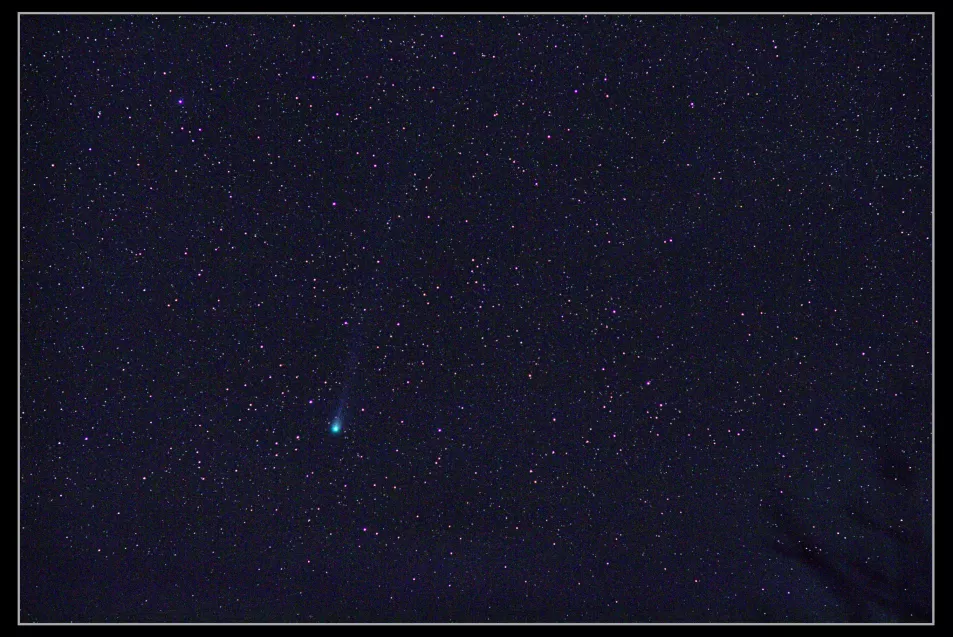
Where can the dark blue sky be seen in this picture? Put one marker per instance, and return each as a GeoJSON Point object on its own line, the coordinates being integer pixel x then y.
{"type": "Point", "coordinates": [627, 318]}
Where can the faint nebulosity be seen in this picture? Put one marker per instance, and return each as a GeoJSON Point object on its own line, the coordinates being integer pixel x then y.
{"type": "Point", "coordinates": [471, 318]}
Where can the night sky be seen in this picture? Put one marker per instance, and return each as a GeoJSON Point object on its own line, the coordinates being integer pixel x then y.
{"type": "Point", "coordinates": [475, 318]}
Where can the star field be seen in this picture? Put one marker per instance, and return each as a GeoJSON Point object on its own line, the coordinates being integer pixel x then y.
{"type": "Point", "coordinates": [475, 318]}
